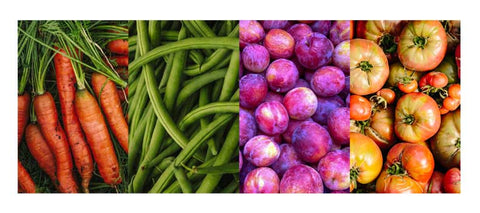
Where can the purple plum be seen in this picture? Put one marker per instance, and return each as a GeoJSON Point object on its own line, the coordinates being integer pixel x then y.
{"type": "Point", "coordinates": [314, 51]}
{"type": "Point", "coordinates": [281, 75]}
{"type": "Point", "coordinates": [255, 58]}
{"type": "Point", "coordinates": [279, 43]}
{"type": "Point", "coordinates": [288, 158]}
{"type": "Point", "coordinates": [334, 168]}
{"type": "Point", "coordinates": [301, 179]}
{"type": "Point", "coordinates": [299, 31]}
{"type": "Point", "coordinates": [339, 125]}
{"type": "Point", "coordinates": [248, 127]}
{"type": "Point", "coordinates": [322, 27]}
{"type": "Point", "coordinates": [341, 31]}
{"type": "Point", "coordinates": [261, 180]}
{"type": "Point", "coordinates": [325, 106]}
{"type": "Point", "coordinates": [273, 96]}
{"type": "Point", "coordinates": [311, 141]}
{"type": "Point", "coordinates": [300, 103]}
{"type": "Point", "coordinates": [328, 81]}
{"type": "Point", "coordinates": [292, 125]}
{"type": "Point", "coordinates": [341, 56]}
{"type": "Point", "coordinates": [274, 24]}
{"type": "Point", "coordinates": [302, 83]}
{"type": "Point", "coordinates": [253, 89]}
{"type": "Point", "coordinates": [261, 150]}
{"type": "Point", "coordinates": [250, 32]}
{"type": "Point", "coordinates": [272, 117]}
{"type": "Point", "coordinates": [240, 161]}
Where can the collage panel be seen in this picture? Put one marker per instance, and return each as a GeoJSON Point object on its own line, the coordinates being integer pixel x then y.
{"type": "Point", "coordinates": [294, 106]}
{"type": "Point", "coordinates": [72, 128]}
{"type": "Point", "coordinates": [405, 106]}
{"type": "Point", "coordinates": [184, 106]}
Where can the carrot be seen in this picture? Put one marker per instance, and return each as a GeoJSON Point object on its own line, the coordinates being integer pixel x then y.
{"type": "Point", "coordinates": [40, 151]}
{"type": "Point", "coordinates": [25, 182]}
{"type": "Point", "coordinates": [118, 46]}
{"type": "Point", "coordinates": [47, 117]}
{"type": "Point", "coordinates": [66, 80]}
{"type": "Point", "coordinates": [98, 137]}
{"type": "Point", "coordinates": [23, 113]}
{"type": "Point", "coordinates": [106, 92]}
{"type": "Point", "coordinates": [121, 60]}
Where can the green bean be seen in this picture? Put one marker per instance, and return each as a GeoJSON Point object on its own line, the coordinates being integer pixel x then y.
{"type": "Point", "coordinates": [157, 170]}
{"type": "Point", "coordinates": [186, 44]}
{"type": "Point", "coordinates": [231, 77]}
{"type": "Point", "coordinates": [214, 59]}
{"type": "Point", "coordinates": [217, 88]}
{"type": "Point", "coordinates": [209, 109]}
{"type": "Point", "coordinates": [175, 76]}
{"type": "Point", "coordinates": [183, 180]}
{"type": "Point", "coordinates": [203, 28]}
{"type": "Point", "coordinates": [134, 140]}
{"type": "Point", "coordinates": [169, 35]}
{"type": "Point", "coordinates": [199, 82]}
{"type": "Point", "coordinates": [154, 30]}
{"type": "Point", "coordinates": [147, 136]}
{"type": "Point", "coordinates": [132, 40]}
{"type": "Point", "coordinates": [229, 147]}
{"type": "Point", "coordinates": [202, 101]}
{"type": "Point", "coordinates": [231, 187]}
{"type": "Point", "coordinates": [196, 57]}
{"type": "Point", "coordinates": [228, 168]}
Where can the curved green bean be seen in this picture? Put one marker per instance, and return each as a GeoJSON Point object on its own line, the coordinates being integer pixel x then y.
{"type": "Point", "coordinates": [209, 109]}
{"type": "Point", "coordinates": [194, 84]}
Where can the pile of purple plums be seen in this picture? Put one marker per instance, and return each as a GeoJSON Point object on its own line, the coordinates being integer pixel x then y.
{"type": "Point", "coordinates": [294, 111]}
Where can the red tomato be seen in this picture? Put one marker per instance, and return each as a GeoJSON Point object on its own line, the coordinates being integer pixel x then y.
{"type": "Point", "coordinates": [422, 45]}
{"type": "Point", "coordinates": [387, 94]}
{"type": "Point", "coordinates": [410, 163]}
{"type": "Point", "coordinates": [368, 67]}
{"type": "Point", "coordinates": [451, 181]}
{"type": "Point", "coordinates": [409, 87]}
{"type": "Point", "coordinates": [450, 103]}
{"type": "Point", "coordinates": [360, 108]}
{"type": "Point", "coordinates": [443, 110]}
{"type": "Point", "coordinates": [446, 143]}
{"type": "Point", "coordinates": [434, 79]}
{"type": "Point", "coordinates": [454, 91]}
{"type": "Point", "coordinates": [365, 160]}
{"type": "Point", "coordinates": [417, 117]}
{"type": "Point", "coordinates": [380, 128]}
{"type": "Point", "coordinates": [398, 73]}
{"type": "Point", "coordinates": [435, 184]}
{"type": "Point", "coordinates": [383, 32]}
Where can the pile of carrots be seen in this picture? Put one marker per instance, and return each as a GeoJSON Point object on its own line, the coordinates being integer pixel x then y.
{"type": "Point", "coordinates": [77, 67]}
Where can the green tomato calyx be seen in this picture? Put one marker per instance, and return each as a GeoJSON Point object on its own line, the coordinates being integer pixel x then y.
{"type": "Point", "coordinates": [396, 169]}
{"type": "Point", "coordinates": [387, 42]}
{"type": "Point", "coordinates": [420, 42]}
{"type": "Point", "coordinates": [409, 119]}
{"type": "Point", "coordinates": [365, 66]}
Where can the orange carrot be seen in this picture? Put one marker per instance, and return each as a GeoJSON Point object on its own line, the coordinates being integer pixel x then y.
{"type": "Point", "coordinates": [98, 137]}
{"type": "Point", "coordinates": [57, 141]}
{"type": "Point", "coordinates": [23, 113]}
{"type": "Point", "coordinates": [66, 91]}
{"type": "Point", "coordinates": [121, 60]}
{"type": "Point", "coordinates": [118, 46]}
{"type": "Point", "coordinates": [40, 151]}
{"type": "Point", "coordinates": [25, 182]}
{"type": "Point", "coordinates": [106, 92]}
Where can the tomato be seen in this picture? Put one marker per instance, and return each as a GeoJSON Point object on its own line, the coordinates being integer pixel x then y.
{"type": "Point", "coordinates": [452, 28]}
{"type": "Point", "coordinates": [417, 117]}
{"type": "Point", "coordinates": [457, 58]}
{"type": "Point", "coordinates": [434, 79]}
{"type": "Point", "coordinates": [382, 32]}
{"type": "Point", "coordinates": [411, 163]}
{"type": "Point", "coordinates": [454, 91]}
{"type": "Point", "coordinates": [365, 160]}
{"type": "Point", "coordinates": [446, 143]}
{"type": "Point", "coordinates": [443, 110]}
{"type": "Point", "coordinates": [398, 72]}
{"type": "Point", "coordinates": [451, 181]}
{"type": "Point", "coordinates": [422, 45]}
{"type": "Point", "coordinates": [380, 128]}
{"type": "Point", "coordinates": [368, 67]}
{"type": "Point", "coordinates": [435, 184]}
{"type": "Point", "coordinates": [360, 108]}
{"type": "Point", "coordinates": [451, 103]}
{"type": "Point", "coordinates": [449, 68]}
{"type": "Point", "coordinates": [387, 94]}
{"type": "Point", "coordinates": [409, 87]}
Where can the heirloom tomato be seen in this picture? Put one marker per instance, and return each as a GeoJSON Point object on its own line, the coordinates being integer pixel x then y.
{"type": "Point", "coordinates": [446, 143]}
{"type": "Point", "coordinates": [360, 108]}
{"type": "Point", "coordinates": [382, 32]}
{"type": "Point", "coordinates": [380, 128]}
{"type": "Point", "coordinates": [451, 181]}
{"type": "Point", "coordinates": [365, 160]}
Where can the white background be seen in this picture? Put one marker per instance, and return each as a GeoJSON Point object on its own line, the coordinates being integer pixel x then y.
{"type": "Point", "coordinates": [12, 11]}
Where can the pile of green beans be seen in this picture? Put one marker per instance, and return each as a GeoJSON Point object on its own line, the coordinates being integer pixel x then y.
{"type": "Point", "coordinates": [183, 114]}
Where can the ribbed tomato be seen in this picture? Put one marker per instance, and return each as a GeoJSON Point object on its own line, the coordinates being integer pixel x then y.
{"type": "Point", "coordinates": [365, 160]}
{"type": "Point", "coordinates": [360, 108]}
{"type": "Point", "coordinates": [407, 169]}
{"type": "Point", "coordinates": [417, 117]}
{"type": "Point", "coordinates": [398, 73]}
{"type": "Point", "coordinates": [380, 128]}
{"type": "Point", "coordinates": [451, 181]}
{"type": "Point", "coordinates": [383, 32]}
{"type": "Point", "coordinates": [422, 45]}
{"type": "Point", "coordinates": [368, 67]}
{"type": "Point", "coordinates": [446, 143]}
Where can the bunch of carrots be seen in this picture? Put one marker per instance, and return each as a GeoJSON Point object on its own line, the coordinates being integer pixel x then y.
{"type": "Point", "coordinates": [71, 102]}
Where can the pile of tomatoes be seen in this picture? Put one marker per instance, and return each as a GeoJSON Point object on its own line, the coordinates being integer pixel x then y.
{"type": "Point", "coordinates": [405, 107]}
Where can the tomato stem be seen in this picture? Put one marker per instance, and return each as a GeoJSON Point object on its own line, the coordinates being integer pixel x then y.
{"type": "Point", "coordinates": [387, 42]}
{"type": "Point", "coordinates": [409, 119]}
{"type": "Point", "coordinates": [365, 66]}
{"type": "Point", "coordinates": [396, 169]}
{"type": "Point", "coordinates": [420, 41]}
{"type": "Point", "coordinates": [457, 143]}
{"type": "Point", "coordinates": [354, 171]}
